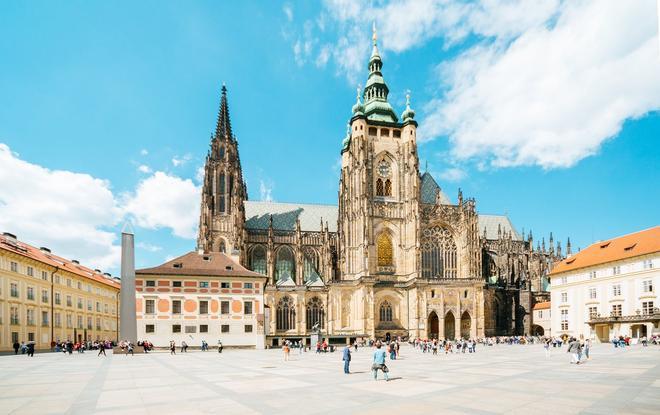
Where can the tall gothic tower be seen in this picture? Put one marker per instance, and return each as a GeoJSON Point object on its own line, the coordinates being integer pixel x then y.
{"type": "Point", "coordinates": [222, 213]}
{"type": "Point", "coordinates": [379, 187]}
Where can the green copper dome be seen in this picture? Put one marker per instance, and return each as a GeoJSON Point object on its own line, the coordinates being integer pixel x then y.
{"type": "Point", "coordinates": [408, 114]}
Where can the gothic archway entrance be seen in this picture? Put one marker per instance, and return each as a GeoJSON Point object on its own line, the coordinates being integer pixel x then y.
{"type": "Point", "coordinates": [450, 326]}
{"type": "Point", "coordinates": [466, 323]}
{"type": "Point", "coordinates": [433, 326]}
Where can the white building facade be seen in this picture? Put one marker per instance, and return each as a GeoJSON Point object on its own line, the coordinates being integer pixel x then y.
{"type": "Point", "coordinates": [609, 289]}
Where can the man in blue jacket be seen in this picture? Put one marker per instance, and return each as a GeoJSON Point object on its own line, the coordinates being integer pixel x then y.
{"type": "Point", "coordinates": [347, 358]}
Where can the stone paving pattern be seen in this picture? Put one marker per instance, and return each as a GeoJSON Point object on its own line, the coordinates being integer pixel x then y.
{"type": "Point", "coordinates": [498, 379]}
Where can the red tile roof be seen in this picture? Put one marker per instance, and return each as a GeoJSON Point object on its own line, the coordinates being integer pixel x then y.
{"type": "Point", "coordinates": [542, 305]}
{"type": "Point", "coordinates": [214, 264]}
{"type": "Point", "coordinates": [47, 258]}
{"type": "Point", "coordinates": [624, 247]}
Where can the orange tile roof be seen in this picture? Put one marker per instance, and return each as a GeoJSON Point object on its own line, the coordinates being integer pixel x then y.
{"type": "Point", "coordinates": [624, 247]}
{"type": "Point", "coordinates": [542, 305]}
{"type": "Point", "coordinates": [215, 264]}
{"type": "Point", "coordinates": [29, 251]}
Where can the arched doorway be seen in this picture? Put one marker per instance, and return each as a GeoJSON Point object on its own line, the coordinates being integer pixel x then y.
{"type": "Point", "coordinates": [450, 326]}
{"type": "Point", "coordinates": [538, 330]}
{"type": "Point", "coordinates": [466, 323]}
{"type": "Point", "coordinates": [433, 325]}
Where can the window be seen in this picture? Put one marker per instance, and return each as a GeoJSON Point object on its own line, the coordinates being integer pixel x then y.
{"type": "Point", "coordinates": [14, 337]}
{"type": "Point", "coordinates": [647, 307]}
{"type": "Point", "coordinates": [258, 260]}
{"type": "Point", "coordinates": [176, 328]}
{"type": "Point", "coordinates": [616, 290]}
{"type": "Point", "coordinates": [616, 310]}
{"type": "Point", "coordinates": [384, 244]}
{"type": "Point", "coordinates": [79, 285]}
{"type": "Point", "coordinates": [564, 319]}
{"type": "Point", "coordinates": [31, 337]}
{"type": "Point", "coordinates": [30, 271]}
{"type": "Point", "coordinates": [68, 301]}
{"type": "Point", "coordinates": [388, 187]}
{"type": "Point", "coordinates": [285, 264]}
{"type": "Point", "coordinates": [176, 284]}
{"type": "Point", "coordinates": [380, 187]}
{"type": "Point", "coordinates": [247, 308]}
{"type": "Point", "coordinates": [13, 289]}
{"type": "Point", "coordinates": [191, 329]}
{"type": "Point", "coordinates": [247, 285]}
{"type": "Point", "coordinates": [80, 303]}
{"type": "Point", "coordinates": [248, 328]}
{"type": "Point", "coordinates": [69, 321]}
{"type": "Point", "coordinates": [89, 305]}
{"type": "Point", "coordinates": [98, 307]}
{"type": "Point", "coordinates": [593, 312]}
{"type": "Point", "coordinates": [151, 283]}
{"type": "Point", "coordinates": [224, 328]}
{"type": "Point", "coordinates": [616, 270]}
{"type": "Point", "coordinates": [57, 279]}
{"type": "Point", "coordinates": [564, 297]}
{"type": "Point", "coordinates": [176, 307]}
{"type": "Point", "coordinates": [592, 293]}
{"type": "Point", "coordinates": [315, 313]}
{"type": "Point", "coordinates": [149, 307]}
{"type": "Point", "coordinates": [44, 318]}
{"type": "Point", "coordinates": [150, 328]}
{"type": "Point", "coordinates": [592, 275]}
{"type": "Point", "coordinates": [564, 280]}
{"type": "Point", "coordinates": [29, 317]}
{"type": "Point", "coordinates": [30, 293]}
{"type": "Point", "coordinates": [203, 284]}
{"type": "Point", "coordinates": [203, 307]}
{"type": "Point", "coordinates": [648, 264]}
{"type": "Point", "coordinates": [540, 314]}
{"type": "Point", "coordinates": [44, 275]}
{"type": "Point", "coordinates": [14, 317]}
{"type": "Point", "coordinates": [58, 299]}
{"type": "Point", "coordinates": [57, 320]}
{"type": "Point", "coordinates": [203, 328]}
{"type": "Point", "coordinates": [647, 286]}
{"type": "Point", "coordinates": [224, 307]}
{"type": "Point", "coordinates": [224, 285]}
{"type": "Point", "coordinates": [68, 282]}
{"type": "Point", "coordinates": [286, 314]}
{"type": "Point", "coordinates": [44, 296]}
{"type": "Point", "coordinates": [89, 323]}
{"type": "Point", "coordinates": [385, 312]}
{"type": "Point", "coordinates": [14, 267]}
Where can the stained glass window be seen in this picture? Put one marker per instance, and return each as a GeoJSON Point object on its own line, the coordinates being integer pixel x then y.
{"type": "Point", "coordinates": [388, 187]}
{"type": "Point", "coordinates": [384, 243]}
{"type": "Point", "coordinates": [380, 191]}
{"type": "Point", "coordinates": [385, 311]}
{"type": "Point", "coordinates": [285, 265]}
{"type": "Point", "coordinates": [258, 259]}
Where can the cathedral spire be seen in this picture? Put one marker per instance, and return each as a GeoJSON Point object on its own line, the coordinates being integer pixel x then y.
{"type": "Point", "coordinates": [223, 126]}
{"type": "Point", "coordinates": [375, 93]}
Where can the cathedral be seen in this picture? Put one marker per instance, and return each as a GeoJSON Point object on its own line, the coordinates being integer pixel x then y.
{"type": "Point", "coordinates": [394, 257]}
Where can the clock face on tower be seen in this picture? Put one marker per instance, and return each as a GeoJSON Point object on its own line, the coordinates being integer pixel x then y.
{"type": "Point", "coordinates": [384, 169]}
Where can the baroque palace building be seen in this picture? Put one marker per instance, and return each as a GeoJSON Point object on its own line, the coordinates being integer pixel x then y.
{"type": "Point", "coordinates": [45, 298]}
{"type": "Point", "coordinates": [395, 258]}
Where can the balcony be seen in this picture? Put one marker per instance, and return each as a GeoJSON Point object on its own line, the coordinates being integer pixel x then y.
{"type": "Point", "coordinates": [637, 318]}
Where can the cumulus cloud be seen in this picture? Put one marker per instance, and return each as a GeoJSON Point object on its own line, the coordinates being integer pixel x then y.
{"type": "Point", "coordinates": [143, 168]}
{"type": "Point", "coordinates": [148, 247]}
{"type": "Point", "coordinates": [144, 152]}
{"type": "Point", "coordinates": [165, 201]}
{"type": "Point", "coordinates": [181, 160]}
{"type": "Point", "coordinates": [265, 191]}
{"type": "Point", "coordinates": [288, 11]}
{"type": "Point", "coordinates": [452, 174]}
{"type": "Point", "coordinates": [68, 212]}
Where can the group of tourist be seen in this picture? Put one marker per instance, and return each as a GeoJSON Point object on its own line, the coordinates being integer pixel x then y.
{"type": "Point", "coordinates": [25, 348]}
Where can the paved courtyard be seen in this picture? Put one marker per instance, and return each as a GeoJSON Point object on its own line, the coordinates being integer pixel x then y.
{"type": "Point", "coordinates": [499, 379]}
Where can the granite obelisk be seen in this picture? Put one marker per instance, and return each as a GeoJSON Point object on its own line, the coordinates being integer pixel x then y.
{"type": "Point", "coordinates": [127, 317]}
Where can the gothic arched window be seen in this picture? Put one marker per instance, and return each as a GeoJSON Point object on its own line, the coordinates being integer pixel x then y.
{"type": "Point", "coordinates": [230, 192]}
{"type": "Point", "coordinates": [385, 311]}
{"type": "Point", "coordinates": [384, 245]}
{"type": "Point", "coordinates": [310, 263]}
{"type": "Point", "coordinates": [285, 266]}
{"type": "Point", "coordinates": [286, 314]}
{"type": "Point", "coordinates": [315, 313]}
{"type": "Point", "coordinates": [380, 191]}
{"type": "Point", "coordinates": [439, 259]}
{"type": "Point", "coordinates": [388, 187]}
{"type": "Point", "coordinates": [223, 247]}
{"type": "Point", "coordinates": [222, 152]}
{"type": "Point", "coordinates": [222, 193]}
{"type": "Point", "coordinates": [258, 260]}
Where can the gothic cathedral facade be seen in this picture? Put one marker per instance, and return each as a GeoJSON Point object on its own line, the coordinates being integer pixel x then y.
{"type": "Point", "coordinates": [395, 257]}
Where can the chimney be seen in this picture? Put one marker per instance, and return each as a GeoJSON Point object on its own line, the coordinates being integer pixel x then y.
{"type": "Point", "coordinates": [45, 250]}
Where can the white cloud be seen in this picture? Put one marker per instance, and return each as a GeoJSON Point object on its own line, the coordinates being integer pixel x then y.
{"type": "Point", "coordinates": [66, 211]}
{"type": "Point", "coordinates": [144, 152]}
{"type": "Point", "coordinates": [288, 11]}
{"type": "Point", "coordinates": [554, 94]}
{"type": "Point", "coordinates": [199, 174]}
{"type": "Point", "coordinates": [452, 174]}
{"type": "Point", "coordinates": [148, 247]}
{"type": "Point", "coordinates": [323, 56]}
{"type": "Point", "coordinates": [143, 168]}
{"type": "Point", "coordinates": [181, 160]}
{"type": "Point", "coordinates": [266, 191]}
{"type": "Point", "coordinates": [166, 201]}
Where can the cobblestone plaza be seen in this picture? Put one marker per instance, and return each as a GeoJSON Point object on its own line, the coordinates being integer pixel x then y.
{"type": "Point", "coordinates": [498, 379]}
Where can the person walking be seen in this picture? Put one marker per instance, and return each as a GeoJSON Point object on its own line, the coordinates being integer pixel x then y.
{"type": "Point", "coordinates": [172, 347]}
{"type": "Point", "coordinates": [347, 358]}
{"type": "Point", "coordinates": [546, 347]}
{"type": "Point", "coordinates": [573, 349]}
{"type": "Point", "coordinates": [101, 350]}
{"type": "Point", "coordinates": [184, 347]}
{"type": "Point", "coordinates": [219, 346]}
{"type": "Point", "coordinates": [587, 346]}
{"type": "Point", "coordinates": [30, 349]}
{"type": "Point", "coordinates": [379, 362]}
{"type": "Point", "coordinates": [17, 346]}
{"type": "Point", "coordinates": [285, 349]}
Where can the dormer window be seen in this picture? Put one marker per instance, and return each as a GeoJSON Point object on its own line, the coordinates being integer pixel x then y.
{"type": "Point", "coordinates": [206, 258]}
{"type": "Point", "coordinates": [229, 268]}
{"type": "Point", "coordinates": [177, 265]}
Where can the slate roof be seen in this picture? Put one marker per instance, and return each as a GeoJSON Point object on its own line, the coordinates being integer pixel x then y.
{"type": "Point", "coordinates": [429, 188]}
{"type": "Point", "coordinates": [628, 246]}
{"type": "Point", "coordinates": [257, 216]}
{"type": "Point", "coordinates": [215, 264]}
{"type": "Point", "coordinates": [490, 222]}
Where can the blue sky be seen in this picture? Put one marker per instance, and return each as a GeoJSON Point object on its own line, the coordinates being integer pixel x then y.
{"type": "Point", "coordinates": [546, 111]}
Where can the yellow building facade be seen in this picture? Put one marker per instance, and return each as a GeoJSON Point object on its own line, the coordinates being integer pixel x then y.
{"type": "Point", "coordinates": [46, 298]}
